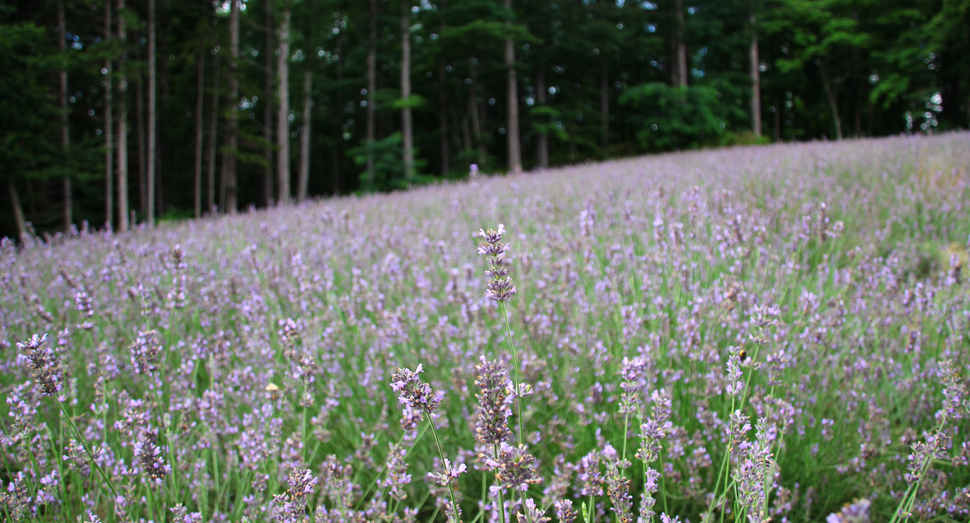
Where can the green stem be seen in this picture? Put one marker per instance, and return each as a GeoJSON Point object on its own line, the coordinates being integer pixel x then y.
{"type": "Point", "coordinates": [94, 462]}
{"type": "Point", "coordinates": [451, 488]}
{"type": "Point", "coordinates": [515, 370]}
{"type": "Point", "coordinates": [501, 501]}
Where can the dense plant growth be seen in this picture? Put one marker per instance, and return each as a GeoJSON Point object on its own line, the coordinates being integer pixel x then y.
{"type": "Point", "coordinates": [775, 333]}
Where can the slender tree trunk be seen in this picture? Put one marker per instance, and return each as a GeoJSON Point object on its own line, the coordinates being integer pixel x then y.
{"type": "Point", "coordinates": [213, 152]}
{"type": "Point", "coordinates": [778, 110]}
{"type": "Point", "coordinates": [142, 143]}
{"type": "Point", "coordinates": [371, 87]}
{"type": "Point", "coordinates": [65, 132]}
{"type": "Point", "coordinates": [151, 114]}
{"type": "Point", "coordinates": [232, 144]}
{"type": "Point", "coordinates": [283, 114]}
{"type": "Point", "coordinates": [754, 71]}
{"type": "Point", "coordinates": [199, 138]}
{"type": "Point", "coordinates": [515, 152]}
{"type": "Point", "coordinates": [680, 46]}
{"type": "Point", "coordinates": [407, 130]}
{"type": "Point", "coordinates": [542, 148]}
{"type": "Point", "coordinates": [122, 126]}
{"type": "Point", "coordinates": [268, 80]}
{"type": "Point", "coordinates": [443, 105]}
{"type": "Point", "coordinates": [832, 97]}
{"type": "Point", "coordinates": [338, 156]}
{"type": "Point", "coordinates": [473, 108]}
{"type": "Point", "coordinates": [18, 211]}
{"type": "Point", "coordinates": [108, 128]}
{"type": "Point", "coordinates": [164, 86]}
{"type": "Point", "coordinates": [304, 175]}
{"type": "Point", "coordinates": [605, 104]}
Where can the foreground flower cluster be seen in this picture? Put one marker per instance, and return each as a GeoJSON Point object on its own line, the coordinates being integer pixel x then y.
{"type": "Point", "coordinates": [761, 334]}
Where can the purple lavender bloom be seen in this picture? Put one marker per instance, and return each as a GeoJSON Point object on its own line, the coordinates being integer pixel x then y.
{"type": "Point", "coordinates": [855, 512]}
{"type": "Point", "coordinates": [514, 468]}
{"type": "Point", "coordinates": [414, 392]}
{"type": "Point", "coordinates": [44, 364]}
{"type": "Point", "coordinates": [500, 287]}
{"type": "Point", "coordinates": [291, 505]}
{"type": "Point", "coordinates": [494, 402]}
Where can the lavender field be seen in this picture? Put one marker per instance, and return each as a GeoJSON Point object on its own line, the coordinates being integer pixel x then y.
{"type": "Point", "coordinates": [755, 334]}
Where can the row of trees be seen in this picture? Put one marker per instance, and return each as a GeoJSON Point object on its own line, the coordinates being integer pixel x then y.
{"type": "Point", "coordinates": [116, 111]}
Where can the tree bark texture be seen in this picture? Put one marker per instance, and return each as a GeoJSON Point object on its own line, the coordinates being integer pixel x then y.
{"type": "Point", "coordinates": [18, 211]}
{"type": "Point", "coordinates": [232, 142]}
{"type": "Point", "coordinates": [473, 109]}
{"type": "Point", "coordinates": [443, 105]}
{"type": "Point", "coordinates": [680, 46]}
{"type": "Point", "coordinates": [283, 111]}
{"type": "Point", "coordinates": [142, 141]}
{"type": "Point", "coordinates": [754, 64]}
{"type": "Point", "coordinates": [122, 127]}
{"type": "Point", "coordinates": [199, 138]}
{"type": "Point", "coordinates": [268, 80]}
{"type": "Point", "coordinates": [542, 148]}
{"type": "Point", "coordinates": [152, 124]}
{"type": "Point", "coordinates": [512, 132]}
{"type": "Point", "coordinates": [304, 174]}
{"type": "Point", "coordinates": [833, 99]}
{"type": "Point", "coordinates": [605, 104]}
{"type": "Point", "coordinates": [338, 153]}
{"type": "Point", "coordinates": [213, 151]}
{"type": "Point", "coordinates": [407, 130]}
{"type": "Point", "coordinates": [371, 87]}
{"type": "Point", "coordinates": [65, 132]}
{"type": "Point", "coordinates": [108, 127]}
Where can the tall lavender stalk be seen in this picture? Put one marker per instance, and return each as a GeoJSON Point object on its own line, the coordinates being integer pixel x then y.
{"type": "Point", "coordinates": [500, 288]}
{"type": "Point", "coordinates": [418, 395]}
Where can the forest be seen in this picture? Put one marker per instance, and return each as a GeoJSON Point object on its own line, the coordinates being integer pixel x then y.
{"type": "Point", "coordinates": [121, 113]}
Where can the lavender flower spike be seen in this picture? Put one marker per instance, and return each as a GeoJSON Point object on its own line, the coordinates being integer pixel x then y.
{"type": "Point", "coordinates": [500, 287]}
{"type": "Point", "coordinates": [43, 363]}
{"type": "Point", "coordinates": [414, 392]}
{"type": "Point", "coordinates": [494, 402]}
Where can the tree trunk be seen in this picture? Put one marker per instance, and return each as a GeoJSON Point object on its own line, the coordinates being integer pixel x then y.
{"type": "Point", "coordinates": [108, 128]}
{"type": "Point", "coordinates": [199, 138]}
{"type": "Point", "coordinates": [515, 153]}
{"type": "Point", "coordinates": [542, 148]}
{"type": "Point", "coordinates": [268, 80]}
{"type": "Point", "coordinates": [304, 175]}
{"type": "Point", "coordinates": [778, 110]}
{"type": "Point", "coordinates": [338, 154]}
{"type": "Point", "coordinates": [122, 127]}
{"type": "Point", "coordinates": [605, 105]}
{"type": "Point", "coordinates": [142, 148]}
{"type": "Point", "coordinates": [283, 112]}
{"type": "Point", "coordinates": [754, 70]}
{"type": "Point", "coordinates": [443, 105]}
{"type": "Point", "coordinates": [150, 215]}
{"type": "Point", "coordinates": [833, 98]}
{"type": "Point", "coordinates": [680, 46]}
{"type": "Point", "coordinates": [473, 108]}
{"type": "Point", "coordinates": [65, 132]}
{"type": "Point", "coordinates": [18, 211]}
{"type": "Point", "coordinates": [371, 87]}
{"type": "Point", "coordinates": [407, 130]}
{"type": "Point", "coordinates": [213, 131]}
{"type": "Point", "coordinates": [232, 143]}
